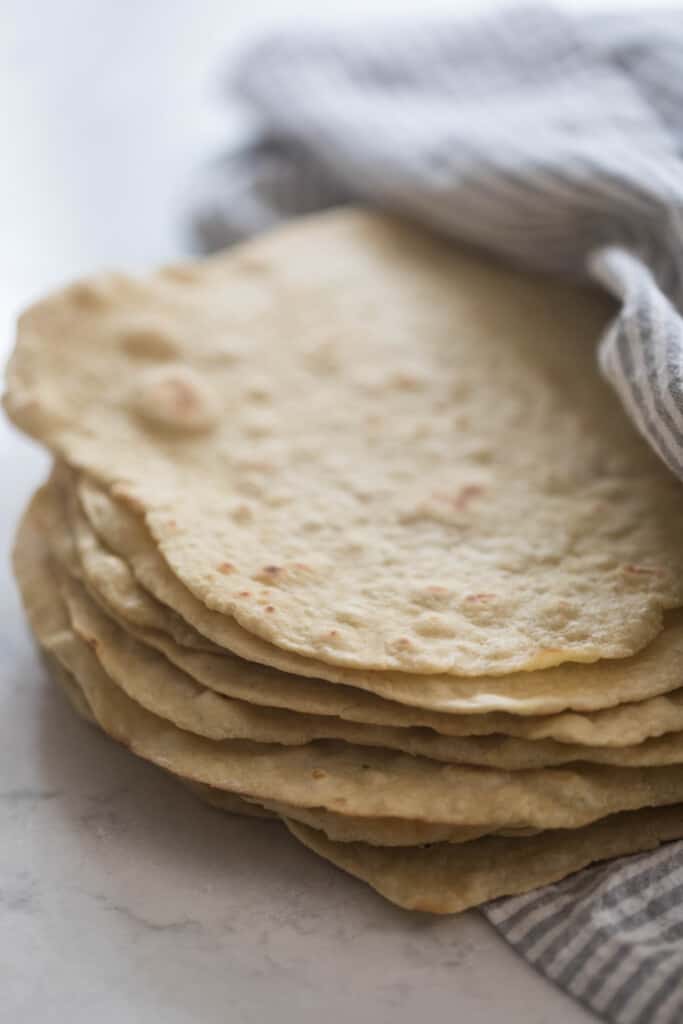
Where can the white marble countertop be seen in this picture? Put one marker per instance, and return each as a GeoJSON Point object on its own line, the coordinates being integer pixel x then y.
{"type": "Point", "coordinates": [121, 897]}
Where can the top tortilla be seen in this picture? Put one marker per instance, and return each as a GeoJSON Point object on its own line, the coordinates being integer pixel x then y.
{"type": "Point", "coordinates": [367, 447]}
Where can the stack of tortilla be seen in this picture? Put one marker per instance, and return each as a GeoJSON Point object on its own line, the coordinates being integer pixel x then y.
{"type": "Point", "coordinates": [345, 528]}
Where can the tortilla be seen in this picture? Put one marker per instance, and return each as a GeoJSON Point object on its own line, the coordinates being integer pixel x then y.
{"type": "Point", "coordinates": [107, 576]}
{"type": "Point", "coordinates": [344, 829]}
{"type": "Point", "coordinates": [338, 440]}
{"type": "Point", "coordinates": [446, 879]}
{"type": "Point", "coordinates": [656, 670]}
{"type": "Point", "coordinates": [151, 681]}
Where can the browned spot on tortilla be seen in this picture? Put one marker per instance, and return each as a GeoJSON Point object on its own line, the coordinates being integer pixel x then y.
{"type": "Point", "coordinates": [148, 342]}
{"type": "Point", "coordinates": [242, 513]}
{"type": "Point", "coordinates": [465, 495]}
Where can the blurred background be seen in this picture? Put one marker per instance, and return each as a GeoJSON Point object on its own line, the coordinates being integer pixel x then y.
{"type": "Point", "coordinates": [109, 108]}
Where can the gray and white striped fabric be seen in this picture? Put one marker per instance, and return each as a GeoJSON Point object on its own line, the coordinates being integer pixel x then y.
{"type": "Point", "coordinates": [557, 143]}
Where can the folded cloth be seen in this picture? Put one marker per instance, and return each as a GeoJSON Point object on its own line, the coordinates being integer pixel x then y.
{"type": "Point", "coordinates": [557, 143]}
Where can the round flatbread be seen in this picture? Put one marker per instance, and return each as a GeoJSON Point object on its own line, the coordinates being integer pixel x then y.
{"type": "Point", "coordinates": [368, 448]}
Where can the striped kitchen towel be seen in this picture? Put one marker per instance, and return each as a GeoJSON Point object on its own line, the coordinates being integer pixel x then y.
{"type": "Point", "coordinates": [557, 143]}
